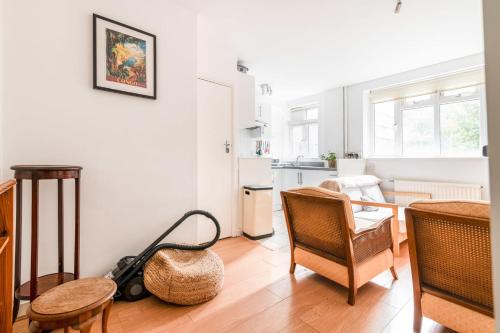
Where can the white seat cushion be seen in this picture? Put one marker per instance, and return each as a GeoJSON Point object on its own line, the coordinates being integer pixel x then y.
{"type": "Point", "coordinates": [354, 194]}
{"type": "Point", "coordinates": [373, 192]}
{"type": "Point", "coordinates": [380, 214]}
{"type": "Point", "coordinates": [362, 224]}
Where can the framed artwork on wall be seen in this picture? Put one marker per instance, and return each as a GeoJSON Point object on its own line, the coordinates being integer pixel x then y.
{"type": "Point", "coordinates": [124, 58]}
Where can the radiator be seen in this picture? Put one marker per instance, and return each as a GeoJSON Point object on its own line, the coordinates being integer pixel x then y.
{"type": "Point", "coordinates": [437, 190]}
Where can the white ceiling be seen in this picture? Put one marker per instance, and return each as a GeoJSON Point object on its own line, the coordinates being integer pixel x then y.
{"type": "Point", "coordinates": [302, 47]}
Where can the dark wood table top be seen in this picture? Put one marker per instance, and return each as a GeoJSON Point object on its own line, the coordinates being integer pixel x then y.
{"type": "Point", "coordinates": [46, 171]}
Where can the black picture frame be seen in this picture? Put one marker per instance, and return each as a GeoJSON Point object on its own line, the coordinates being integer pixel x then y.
{"type": "Point", "coordinates": [95, 18]}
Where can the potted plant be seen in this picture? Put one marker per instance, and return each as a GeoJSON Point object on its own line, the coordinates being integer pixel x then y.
{"type": "Point", "coordinates": [331, 158]}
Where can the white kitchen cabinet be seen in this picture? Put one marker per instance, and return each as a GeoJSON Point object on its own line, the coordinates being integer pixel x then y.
{"type": "Point", "coordinates": [286, 179]}
{"type": "Point", "coordinates": [252, 112]}
{"type": "Point", "coordinates": [246, 100]}
{"type": "Point", "coordinates": [294, 178]}
{"type": "Point", "coordinates": [316, 177]}
{"type": "Point", "coordinates": [291, 178]}
{"type": "Point", "coordinates": [263, 113]}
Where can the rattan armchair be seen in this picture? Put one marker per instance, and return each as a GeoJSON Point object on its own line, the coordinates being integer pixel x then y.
{"type": "Point", "coordinates": [450, 254]}
{"type": "Point", "coordinates": [324, 238]}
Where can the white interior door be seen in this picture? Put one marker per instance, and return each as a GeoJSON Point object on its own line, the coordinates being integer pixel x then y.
{"type": "Point", "coordinates": [215, 157]}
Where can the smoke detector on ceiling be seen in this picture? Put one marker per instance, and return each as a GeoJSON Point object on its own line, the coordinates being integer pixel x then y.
{"type": "Point", "coordinates": [399, 3]}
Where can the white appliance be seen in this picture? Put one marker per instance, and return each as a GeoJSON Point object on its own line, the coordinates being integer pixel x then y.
{"type": "Point", "coordinates": [350, 167]}
{"type": "Point", "coordinates": [257, 211]}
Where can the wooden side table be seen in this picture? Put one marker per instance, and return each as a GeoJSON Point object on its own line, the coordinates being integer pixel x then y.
{"type": "Point", "coordinates": [75, 304]}
{"type": "Point", "coordinates": [37, 285]}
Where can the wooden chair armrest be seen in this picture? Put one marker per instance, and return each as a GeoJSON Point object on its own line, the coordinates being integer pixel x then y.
{"type": "Point", "coordinates": [375, 204]}
{"type": "Point", "coordinates": [422, 195]}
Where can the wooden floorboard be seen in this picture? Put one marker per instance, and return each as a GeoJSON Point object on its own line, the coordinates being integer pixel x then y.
{"type": "Point", "coordinates": [259, 295]}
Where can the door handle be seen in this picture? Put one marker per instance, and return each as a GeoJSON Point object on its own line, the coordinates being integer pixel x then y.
{"type": "Point", "coordinates": [227, 145]}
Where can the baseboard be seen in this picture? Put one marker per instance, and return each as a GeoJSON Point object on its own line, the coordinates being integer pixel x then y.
{"type": "Point", "coordinates": [23, 307]}
{"type": "Point", "coordinates": [258, 237]}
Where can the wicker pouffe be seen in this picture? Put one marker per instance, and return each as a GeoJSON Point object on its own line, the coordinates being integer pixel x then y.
{"type": "Point", "coordinates": [184, 277]}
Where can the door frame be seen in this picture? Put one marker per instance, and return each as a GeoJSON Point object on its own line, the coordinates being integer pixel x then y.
{"type": "Point", "coordinates": [235, 231]}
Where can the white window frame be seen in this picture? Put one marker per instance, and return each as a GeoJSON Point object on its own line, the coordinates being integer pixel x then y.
{"type": "Point", "coordinates": [305, 124]}
{"type": "Point", "coordinates": [436, 101]}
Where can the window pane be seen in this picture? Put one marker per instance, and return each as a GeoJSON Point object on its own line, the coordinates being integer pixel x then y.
{"type": "Point", "coordinates": [299, 143]}
{"type": "Point", "coordinates": [313, 140]}
{"type": "Point", "coordinates": [461, 92]}
{"type": "Point", "coordinates": [418, 131]}
{"type": "Point", "coordinates": [299, 115]}
{"type": "Point", "coordinates": [384, 128]}
{"type": "Point", "coordinates": [312, 114]}
{"type": "Point", "coordinates": [460, 128]}
{"type": "Point", "coordinates": [418, 99]}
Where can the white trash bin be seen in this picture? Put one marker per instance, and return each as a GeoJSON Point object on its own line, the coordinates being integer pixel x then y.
{"type": "Point", "coordinates": [258, 211]}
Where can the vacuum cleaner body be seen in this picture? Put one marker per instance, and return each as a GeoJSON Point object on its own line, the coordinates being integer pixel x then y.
{"type": "Point", "coordinates": [129, 271]}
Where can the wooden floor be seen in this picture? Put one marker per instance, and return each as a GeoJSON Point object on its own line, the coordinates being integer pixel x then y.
{"type": "Point", "coordinates": [259, 295]}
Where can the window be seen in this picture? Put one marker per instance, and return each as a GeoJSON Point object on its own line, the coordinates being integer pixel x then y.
{"type": "Point", "coordinates": [445, 122]}
{"type": "Point", "coordinates": [418, 131]}
{"type": "Point", "coordinates": [304, 131]}
{"type": "Point", "coordinates": [460, 128]}
{"type": "Point", "coordinates": [385, 126]}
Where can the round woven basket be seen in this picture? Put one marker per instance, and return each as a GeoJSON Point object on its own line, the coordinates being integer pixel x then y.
{"type": "Point", "coordinates": [184, 277]}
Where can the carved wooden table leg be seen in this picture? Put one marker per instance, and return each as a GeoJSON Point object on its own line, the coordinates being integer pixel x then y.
{"type": "Point", "coordinates": [35, 328]}
{"type": "Point", "coordinates": [105, 316]}
{"type": "Point", "coordinates": [84, 327]}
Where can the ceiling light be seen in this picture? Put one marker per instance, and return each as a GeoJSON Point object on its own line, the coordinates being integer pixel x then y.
{"type": "Point", "coordinates": [398, 6]}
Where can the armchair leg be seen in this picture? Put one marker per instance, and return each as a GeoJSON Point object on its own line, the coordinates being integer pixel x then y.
{"type": "Point", "coordinates": [352, 295]}
{"type": "Point", "coordinates": [292, 267]}
{"type": "Point", "coordinates": [417, 320]}
{"type": "Point", "coordinates": [395, 248]}
{"type": "Point", "coordinates": [417, 317]}
{"type": "Point", "coordinates": [394, 273]}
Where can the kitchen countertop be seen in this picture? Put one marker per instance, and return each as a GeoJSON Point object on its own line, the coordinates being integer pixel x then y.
{"type": "Point", "coordinates": [303, 167]}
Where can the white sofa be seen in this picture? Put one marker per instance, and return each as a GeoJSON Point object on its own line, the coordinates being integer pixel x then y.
{"type": "Point", "coordinates": [369, 204]}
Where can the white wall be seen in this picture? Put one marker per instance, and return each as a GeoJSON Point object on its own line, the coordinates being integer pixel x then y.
{"type": "Point", "coordinates": [138, 155]}
{"type": "Point", "coordinates": [216, 54]}
{"type": "Point", "coordinates": [492, 51]}
{"type": "Point", "coordinates": [330, 119]}
{"type": "Point", "coordinates": [453, 170]}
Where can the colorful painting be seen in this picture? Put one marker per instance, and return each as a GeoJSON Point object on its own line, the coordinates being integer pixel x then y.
{"type": "Point", "coordinates": [126, 59]}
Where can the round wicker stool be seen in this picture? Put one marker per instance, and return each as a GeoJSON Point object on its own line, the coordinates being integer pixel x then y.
{"type": "Point", "coordinates": [75, 304]}
{"type": "Point", "coordinates": [184, 277]}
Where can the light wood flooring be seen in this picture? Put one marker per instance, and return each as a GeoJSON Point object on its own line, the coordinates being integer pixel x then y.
{"type": "Point", "coordinates": [259, 295]}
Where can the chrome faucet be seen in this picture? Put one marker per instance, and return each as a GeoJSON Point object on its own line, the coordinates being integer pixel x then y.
{"type": "Point", "coordinates": [297, 159]}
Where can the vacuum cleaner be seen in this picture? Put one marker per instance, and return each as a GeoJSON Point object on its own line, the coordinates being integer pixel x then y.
{"type": "Point", "coordinates": [128, 272]}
